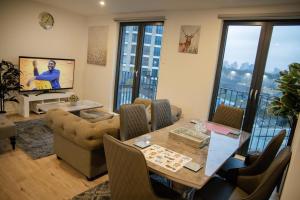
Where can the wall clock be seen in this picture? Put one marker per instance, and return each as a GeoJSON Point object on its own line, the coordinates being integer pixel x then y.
{"type": "Point", "coordinates": [46, 20]}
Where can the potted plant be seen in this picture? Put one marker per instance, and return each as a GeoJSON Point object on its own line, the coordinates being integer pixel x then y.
{"type": "Point", "coordinates": [288, 104]}
{"type": "Point", "coordinates": [9, 83]}
{"type": "Point", "coordinates": [73, 99]}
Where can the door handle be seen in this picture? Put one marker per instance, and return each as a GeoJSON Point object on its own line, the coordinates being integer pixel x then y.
{"type": "Point", "coordinates": [250, 94]}
{"type": "Point", "coordinates": [255, 94]}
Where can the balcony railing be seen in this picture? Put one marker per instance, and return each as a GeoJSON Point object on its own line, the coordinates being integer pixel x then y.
{"type": "Point", "coordinates": [148, 87]}
{"type": "Point", "coordinates": [265, 126]}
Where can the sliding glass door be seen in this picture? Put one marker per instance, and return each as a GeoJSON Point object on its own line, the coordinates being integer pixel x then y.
{"type": "Point", "coordinates": [251, 56]}
{"type": "Point", "coordinates": [138, 61]}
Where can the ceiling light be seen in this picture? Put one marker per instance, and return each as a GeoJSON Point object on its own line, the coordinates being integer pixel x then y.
{"type": "Point", "coordinates": [102, 3]}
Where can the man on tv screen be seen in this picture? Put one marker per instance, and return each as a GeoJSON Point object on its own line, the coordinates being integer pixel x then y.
{"type": "Point", "coordinates": [52, 75]}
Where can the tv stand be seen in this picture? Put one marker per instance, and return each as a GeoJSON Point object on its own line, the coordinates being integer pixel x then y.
{"type": "Point", "coordinates": [29, 102]}
{"type": "Point", "coordinates": [50, 92]}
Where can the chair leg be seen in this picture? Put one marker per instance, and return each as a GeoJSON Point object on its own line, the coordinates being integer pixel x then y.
{"type": "Point", "coordinates": [13, 142]}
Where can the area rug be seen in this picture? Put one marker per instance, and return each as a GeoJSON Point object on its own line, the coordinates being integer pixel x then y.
{"type": "Point", "coordinates": [100, 192]}
{"type": "Point", "coordinates": [34, 138]}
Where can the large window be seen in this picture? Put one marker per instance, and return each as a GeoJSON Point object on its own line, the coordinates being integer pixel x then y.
{"type": "Point", "coordinates": [250, 60]}
{"type": "Point", "coordinates": [138, 62]}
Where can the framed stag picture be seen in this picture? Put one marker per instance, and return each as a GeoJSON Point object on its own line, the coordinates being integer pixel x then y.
{"type": "Point", "coordinates": [189, 39]}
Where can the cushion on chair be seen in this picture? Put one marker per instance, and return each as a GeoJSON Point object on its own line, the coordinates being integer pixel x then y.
{"type": "Point", "coordinates": [219, 189]}
{"type": "Point", "coordinates": [231, 163]}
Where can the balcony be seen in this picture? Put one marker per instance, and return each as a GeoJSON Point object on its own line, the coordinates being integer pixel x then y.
{"type": "Point", "coordinates": [148, 87]}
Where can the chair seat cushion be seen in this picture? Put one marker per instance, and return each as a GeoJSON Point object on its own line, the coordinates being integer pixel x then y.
{"type": "Point", "coordinates": [219, 189]}
{"type": "Point", "coordinates": [164, 192]}
{"type": "Point", "coordinates": [231, 163]}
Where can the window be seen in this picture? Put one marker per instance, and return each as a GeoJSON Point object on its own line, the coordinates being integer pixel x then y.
{"type": "Point", "coordinates": [145, 61]}
{"type": "Point", "coordinates": [250, 60]}
{"type": "Point", "coordinates": [134, 37]}
{"type": "Point", "coordinates": [146, 50]}
{"type": "Point", "coordinates": [136, 49]}
{"type": "Point", "coordinates": [147, 39]}
{"type": "Point", "coordinates": [133, 48]}
{"type": "Point", "coordinates": [157, 40]}
{"type": "Point", "coordinates": [148, 29]}
{"type": "Point", "coordinates": [155, 62]}
{"type": "Point", "coordinates": [135, 28]}
{"type": "Point", "coordinates": [159, 29]}
{"type": "Point", "coordinates": [156, 51]}
{"type": "Point", "coordinates": [132, 60]}
{"type": "Point", "coordinates": [126, 37]}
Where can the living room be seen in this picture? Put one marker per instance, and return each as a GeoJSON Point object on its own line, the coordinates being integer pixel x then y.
{"type": "Point", "coordinates": [187, 80]}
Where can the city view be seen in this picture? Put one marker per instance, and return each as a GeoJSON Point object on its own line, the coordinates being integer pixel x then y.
{"type": "Point", "coordinates": [149, 65]}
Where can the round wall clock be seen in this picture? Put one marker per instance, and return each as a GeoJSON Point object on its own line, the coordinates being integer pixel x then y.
{"type": "Point", "coordinates": [46, 20]}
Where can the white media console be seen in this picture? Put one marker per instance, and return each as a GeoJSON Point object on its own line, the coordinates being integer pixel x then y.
{"type": "Point", "coordinates": [29, 103]}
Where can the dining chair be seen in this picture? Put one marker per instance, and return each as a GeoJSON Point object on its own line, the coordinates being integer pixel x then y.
{"type": "Point", "coordinates": [254, 163]}
{"type": "Point", "coordinates": [161, 115]}
{"type": "Point", "coordinates": [247, 187]}
{"type": "Point", "coordinates": [133, 121]}
{"type": "Point", "coordinates": [229, 116]}
{"type": "Point", "coordinates": [128, 174]}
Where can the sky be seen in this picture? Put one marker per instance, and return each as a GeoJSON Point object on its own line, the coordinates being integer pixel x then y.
{"type": "Point", "coordinates": [242, 42]}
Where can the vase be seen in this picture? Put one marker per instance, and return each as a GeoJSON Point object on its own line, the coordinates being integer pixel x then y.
{"type": "Point", "coordinates": [73, 103]}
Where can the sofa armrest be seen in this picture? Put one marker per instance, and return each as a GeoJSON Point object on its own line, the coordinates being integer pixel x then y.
{"type": "Point", "coordinates": [176, 113]}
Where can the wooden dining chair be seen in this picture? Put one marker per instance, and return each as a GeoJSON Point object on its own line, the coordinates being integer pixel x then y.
{"type": "Point", "coordinates": [133, 121]}
{"type": "Point", "coordinates": [254, 163]}
{"type": "Point", "coordinates": [229, 116]}
{"type": "Point", "coordinates": [245, 186]}
{"type": "Point", "coordinates": [128, 174]}
{"type": "Point", "coordinates": [161, 115]}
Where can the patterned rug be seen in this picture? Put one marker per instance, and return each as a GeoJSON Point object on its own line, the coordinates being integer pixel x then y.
{"type": "Point", "coordinates": [34, 138]}
{"type": "Point", "coordinates": [100, 192]}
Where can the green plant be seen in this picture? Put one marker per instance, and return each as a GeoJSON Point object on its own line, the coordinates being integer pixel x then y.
{"type": "Point", "coordinates": [288, 104]}
{"type": "Point", "coordinates": [9, 83]}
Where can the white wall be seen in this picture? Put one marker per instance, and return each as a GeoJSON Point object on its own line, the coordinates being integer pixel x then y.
{"type": "Point", "coordinates": [21, 35]}
{"type": "Point", "coordinates": [291, 187]}
{"type": "Point", "coordinates": [186, 79]}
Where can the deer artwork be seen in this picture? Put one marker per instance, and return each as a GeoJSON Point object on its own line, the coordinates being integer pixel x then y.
{"type": "Point", "coordinates": [184, 46]}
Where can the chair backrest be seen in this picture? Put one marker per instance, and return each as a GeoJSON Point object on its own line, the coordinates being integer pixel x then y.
{"type": "Point", "coordinates": [265, 183]}
{"type": "Point", "coordinates": [161, 115]}
{"type": "Point", "coordinates": [133, 121]}
{"type": "Point", "coordinates": [127, 171]}
{"type": "Point", "coordinates": [266, 157]}
{"type": "Point", "coordinates": [229, 116]}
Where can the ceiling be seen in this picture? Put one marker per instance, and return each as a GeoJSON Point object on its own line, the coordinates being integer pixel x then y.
{"type": "Point", "coordinates": [92, 7]}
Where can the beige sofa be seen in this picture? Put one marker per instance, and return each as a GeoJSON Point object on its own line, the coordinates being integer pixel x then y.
{"type": "Point", "coordinates": [79, 142]}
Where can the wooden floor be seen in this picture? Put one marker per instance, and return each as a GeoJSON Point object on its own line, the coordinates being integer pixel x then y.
{"type": "Point", "coordinates": [22, 178]}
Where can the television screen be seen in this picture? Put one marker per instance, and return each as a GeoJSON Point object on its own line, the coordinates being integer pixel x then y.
{"type": "Point", "coordinates": [46, 73]}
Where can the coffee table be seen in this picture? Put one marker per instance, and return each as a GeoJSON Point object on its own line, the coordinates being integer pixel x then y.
{"type": "Point", "coordinates": [67, 106]}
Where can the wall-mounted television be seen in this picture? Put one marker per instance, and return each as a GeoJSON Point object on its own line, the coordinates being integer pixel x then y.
{"type": "Point", "coordinates": [46, 74]}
